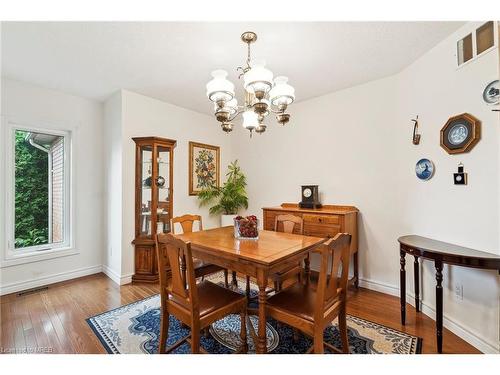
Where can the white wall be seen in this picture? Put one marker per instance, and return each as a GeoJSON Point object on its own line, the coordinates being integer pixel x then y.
{"type": "Point", "coordinates": [113, 215]}
{"type": "Point", "coordinates": [435, 89]}
{"type": "Point", "coordinates": [144, 116]}
{"type": "Point", "coordinates": [35, 106]}
{"type": "Point", "coordinates": [356, 144]}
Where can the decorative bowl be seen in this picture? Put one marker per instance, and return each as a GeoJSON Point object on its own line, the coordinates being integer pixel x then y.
{"type": "Point", "coordinates": [246, 227]}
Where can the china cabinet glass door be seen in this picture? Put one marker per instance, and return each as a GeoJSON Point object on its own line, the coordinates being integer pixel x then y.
{"type": "Point", "coordinates": [162, 191]}
{"type": "Point", "coordinates": [145, 189]}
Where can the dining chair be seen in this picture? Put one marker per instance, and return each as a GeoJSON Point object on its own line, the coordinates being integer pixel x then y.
{"type": "Point", "coordinates": [202, 269]}
{"type": "Point", "coordinates": [311, 307]}
{"type": "Point", "coordinates": [195, 305]}
{"type": "Point", "coordinates": [287, 224]}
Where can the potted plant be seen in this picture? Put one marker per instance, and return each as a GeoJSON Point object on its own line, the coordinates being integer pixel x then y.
{"type": "Point", "coordinates": [228, 198]}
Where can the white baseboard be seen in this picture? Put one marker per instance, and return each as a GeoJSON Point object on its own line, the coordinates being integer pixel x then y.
{"type": "Point", "coordinates": [47, 280]}
{"type": "Point", "coordinates": [378, 286]}
{"type": "Point", "coordinates": [118, 279]}
{"type": "Point", "coordinates": [462, 331]}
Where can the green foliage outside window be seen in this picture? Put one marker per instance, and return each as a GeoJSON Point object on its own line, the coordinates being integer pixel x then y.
{"type": "Point", "coordinates": [32, 194]}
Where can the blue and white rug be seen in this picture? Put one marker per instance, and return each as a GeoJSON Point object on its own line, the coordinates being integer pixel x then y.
{"type": "Point", "coordinates": [134, 329]}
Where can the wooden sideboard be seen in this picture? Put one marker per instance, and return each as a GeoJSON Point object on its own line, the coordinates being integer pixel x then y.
{"type": "Point", "coordinates": [326, 221]}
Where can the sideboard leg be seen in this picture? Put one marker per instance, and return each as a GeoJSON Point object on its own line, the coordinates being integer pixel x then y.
{"type": "Point", "coordinates": [417, 283]}
{"type": "Point", "coordinates": [402, 286]}
{"type": "Point", "coordinates": [356, 270]}
{"type": "Point", "coordinates": [439, 305]}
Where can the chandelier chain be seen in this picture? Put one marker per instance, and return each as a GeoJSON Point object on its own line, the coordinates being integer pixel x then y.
{"type": "Point", "coordinates": [248, 55]}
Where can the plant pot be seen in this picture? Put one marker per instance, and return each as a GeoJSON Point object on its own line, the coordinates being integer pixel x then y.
{"type": "Point", "coordinates": [227, 220]}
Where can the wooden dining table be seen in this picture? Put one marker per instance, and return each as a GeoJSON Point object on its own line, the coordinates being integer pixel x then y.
{"type": "Point", "coordinates": [270, 253]}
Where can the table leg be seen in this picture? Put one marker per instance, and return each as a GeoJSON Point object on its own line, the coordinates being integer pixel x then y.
{"type": "Point", "coordinates": [417, 283]}
{"type": "Point", "coordinates": [307, 268]}
{"type": "Point", "coordinates": [439, 305]}
{"type": "Point", "coordinates": [402, 286]}
{"type": "Point", "coordinates": [234, 281]}
{"type": "Point", "coordinates": [262, 283]}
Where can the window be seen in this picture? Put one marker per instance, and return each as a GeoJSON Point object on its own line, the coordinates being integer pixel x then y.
{"type": "Point", "coordinates": [484, 37]}
{"type": "Point", "coordinates": [38, 200]}
{"type": "Point", "coordinates": [464, 49]}
{"type": "Point", "coordinates": [474, 44]}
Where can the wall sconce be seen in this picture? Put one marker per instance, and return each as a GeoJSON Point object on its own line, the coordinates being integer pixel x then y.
{"type": "Point", "coordinates": [416, 136]}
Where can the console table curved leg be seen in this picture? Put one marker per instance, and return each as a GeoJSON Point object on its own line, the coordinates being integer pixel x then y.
{"type": "Point", "coordinates": [402, 284]}
{"type": "Point", "coordinates": [417, 283]}
{"type": "Point", "coordinates": [439, 305]}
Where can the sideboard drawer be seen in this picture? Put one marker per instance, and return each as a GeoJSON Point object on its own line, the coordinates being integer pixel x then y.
{"type": "Point", "coordinates": [321, 230]}
{"type": "Point", "coordinates": [321, 219]}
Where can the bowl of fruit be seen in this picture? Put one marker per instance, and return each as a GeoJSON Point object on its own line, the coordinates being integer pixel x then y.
{"type": "Point", "coordinates": [246, 227]}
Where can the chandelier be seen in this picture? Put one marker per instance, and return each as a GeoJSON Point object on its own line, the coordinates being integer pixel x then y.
{"type": "Point", "coordinates": [263, 95]}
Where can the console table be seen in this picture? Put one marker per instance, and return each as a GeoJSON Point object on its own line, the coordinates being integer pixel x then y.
{"type": "Point", "coordinates": [440, 253]}
{"type": "Point", "coordinates": [326, 221]}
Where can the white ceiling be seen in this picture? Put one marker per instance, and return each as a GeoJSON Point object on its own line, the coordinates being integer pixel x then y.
{"type": "Point", "coordinates": [172, 61]}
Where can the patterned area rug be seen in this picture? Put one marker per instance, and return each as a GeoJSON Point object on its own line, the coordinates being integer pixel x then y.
{"type": "Point", "coordinates": [134, 329]}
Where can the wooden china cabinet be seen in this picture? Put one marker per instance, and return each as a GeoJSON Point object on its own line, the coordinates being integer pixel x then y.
{"type": "Point", "coordinates": [154, 159]}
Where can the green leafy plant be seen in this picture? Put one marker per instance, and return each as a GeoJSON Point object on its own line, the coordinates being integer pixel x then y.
{"type": "Point", "coordinates": [229, 197]}
{"type": "Point", "coordinates": [32, 194]}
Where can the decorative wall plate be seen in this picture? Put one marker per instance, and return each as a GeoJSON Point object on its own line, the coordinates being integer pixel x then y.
{"type": "Point", "coordinates": [460, 133]}
{"type": "Point", "coordinates": [424, 169]}
{"type": "Point", "coordinates": [491, 93]}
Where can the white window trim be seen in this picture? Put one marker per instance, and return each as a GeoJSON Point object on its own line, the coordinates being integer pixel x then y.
{"type": "Point", "coordinates": [9, 256]}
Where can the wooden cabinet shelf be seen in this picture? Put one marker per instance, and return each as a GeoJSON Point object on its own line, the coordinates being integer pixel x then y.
{"type": "Point", "coordinates": [153, 162]}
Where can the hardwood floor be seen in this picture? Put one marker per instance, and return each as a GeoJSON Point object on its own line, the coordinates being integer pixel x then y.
{"type": "Point", "coordinates": [53, 320]}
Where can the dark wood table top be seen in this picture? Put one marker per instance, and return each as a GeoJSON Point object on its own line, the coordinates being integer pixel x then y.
{"type": "Point", "coordinates": [326, 209]}
{"type": "Point", "coordinates": [449, 253]}
{"type": "Point", "coordinates": [271, 247]}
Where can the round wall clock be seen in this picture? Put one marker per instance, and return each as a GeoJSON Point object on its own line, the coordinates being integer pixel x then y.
{"type": "Point", "coordinates": [424, 169]}
{"type": "Point", "coordinates": [460, 133]}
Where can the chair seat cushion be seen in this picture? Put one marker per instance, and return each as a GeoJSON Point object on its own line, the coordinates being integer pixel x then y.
{"type": "Point", "coordinates": [297, 300]}
{"type": "Point", "coordinates": [212, 297]}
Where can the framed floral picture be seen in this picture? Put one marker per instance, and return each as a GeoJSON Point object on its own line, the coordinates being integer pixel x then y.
{"type": "Point", "coordinates": [204, 167]}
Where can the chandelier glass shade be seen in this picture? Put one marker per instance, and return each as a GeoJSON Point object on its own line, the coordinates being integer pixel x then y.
{"type": "Point", "coordinates": [250, 120]}
{"type": "Point", "coordinates": [282, 93]}
{"type": "Point", "coordinates": [258, 78]}
{"type": "Point", "coordinates": [220, 88]}
{"type": "Point", "coordinates": [263, 95]}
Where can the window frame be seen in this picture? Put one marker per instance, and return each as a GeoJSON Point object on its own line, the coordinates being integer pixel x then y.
{"type": "Point", "coordinates": [10, 255]}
